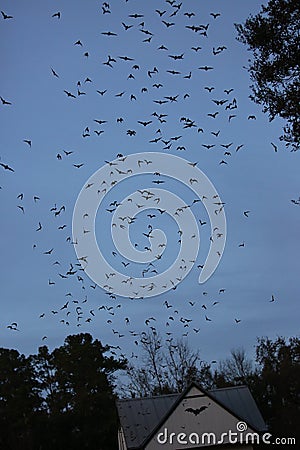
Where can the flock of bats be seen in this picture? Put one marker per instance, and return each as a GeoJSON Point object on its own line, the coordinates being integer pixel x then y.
{"type": "Point", "coordinates": [145, 83]}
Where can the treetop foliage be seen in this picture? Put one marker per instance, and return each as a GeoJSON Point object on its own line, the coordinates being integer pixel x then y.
{"type": "Point", "coordinates": [60, 399]}
{"type": "Point", "coordinates": [273, 36]}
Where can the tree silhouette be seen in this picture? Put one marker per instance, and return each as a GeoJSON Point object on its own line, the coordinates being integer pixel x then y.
{"type": "Point", "coordinates": [273, 37]}
{"type": "Point", "coordinates": [19, 401]}
{"type": "Point", "coordinates": [167, 367]}
{"type": "Point", "coordinates": [278, 385]}
{"type": "Point", "coordinates": [78, 380]}
{"type": "Point", "coordinates": [60, 399]}
{"type": "Point", "coordinates": [237, 369]}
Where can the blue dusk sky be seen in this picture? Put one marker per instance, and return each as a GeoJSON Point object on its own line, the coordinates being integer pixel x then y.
{"type": "Point", "coordinates": [85, 82]}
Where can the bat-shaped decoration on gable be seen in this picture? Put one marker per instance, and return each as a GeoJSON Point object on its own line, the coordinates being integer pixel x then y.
{"type": "Point", "coordinates": [197, 411]}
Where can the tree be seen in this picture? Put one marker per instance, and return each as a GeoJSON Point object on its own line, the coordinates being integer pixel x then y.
{"type": "Point", "coordinates": [150, 378]}
{"type": "Point", "coordinates": [235, 370]}
{"type": "Point", "coordinates": [185, 366]}
{"type": "Point", "coordinates": [278, 385]}
{"type": "Point", "coordinates": [60, 399]}
{"type": "Point", "coordinates": [273, 37]}
{"type": "Point", "coordinates": [77, 380]}
{"type": "Point", "coordinates": [167, 367]}
{"type": "Point", "coordinates": [19, 401]}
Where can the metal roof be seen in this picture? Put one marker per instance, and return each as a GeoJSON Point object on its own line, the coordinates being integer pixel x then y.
{"type": "Point", "coordinates": [139, 417]}
{"type": "Point", "coordinates": [239, 400]}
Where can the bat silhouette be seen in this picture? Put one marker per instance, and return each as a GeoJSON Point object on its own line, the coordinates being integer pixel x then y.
{"type": "Point", "coordinates": [6, 167]}
{"type": "Point", "coordinates": [5, 16]}
{"type": "Point", "coordinates": [197, 411]}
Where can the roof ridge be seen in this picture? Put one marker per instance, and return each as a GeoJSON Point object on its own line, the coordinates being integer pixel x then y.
{"type": "Point", "coordinates": [179, 393]}
{"type": "Point", "coordinates": [244, 386]}
{"type": "Point", "coordinates": [150, 397]}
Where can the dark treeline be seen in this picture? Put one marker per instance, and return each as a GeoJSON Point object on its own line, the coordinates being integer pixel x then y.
{"type": "Point", "coordinates": [59, 400]}
{"type": "Point", "coordinates": [66, 398]}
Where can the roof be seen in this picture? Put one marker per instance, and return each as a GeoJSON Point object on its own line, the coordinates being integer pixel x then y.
{"type": "Point", "coordinates": [141, 417]}
{"type": "Point", "coordinates": [239, 400]}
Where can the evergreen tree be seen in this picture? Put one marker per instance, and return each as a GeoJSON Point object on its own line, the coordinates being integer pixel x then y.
{"type": "Point", "coordinates": [273, 37]}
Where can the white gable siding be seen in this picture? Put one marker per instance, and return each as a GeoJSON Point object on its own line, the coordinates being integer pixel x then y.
{"type": "Point", "coordinates": [212, 419]}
